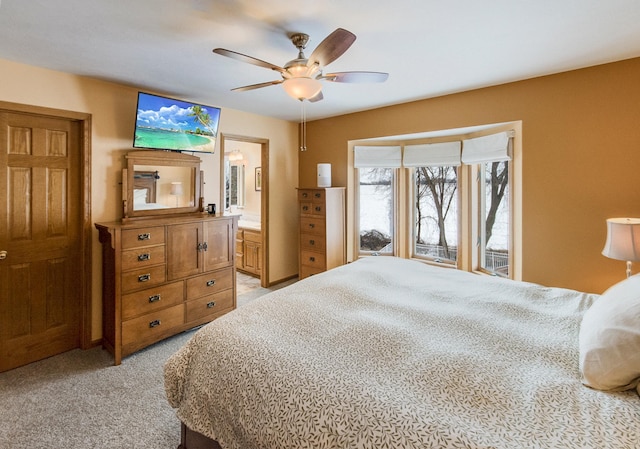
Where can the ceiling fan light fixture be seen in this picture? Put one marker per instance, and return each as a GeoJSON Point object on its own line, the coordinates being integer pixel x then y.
{"type": "Point", "coordinates": [301, 76]}
{"type": "Point", "coordinates": [302, 88]}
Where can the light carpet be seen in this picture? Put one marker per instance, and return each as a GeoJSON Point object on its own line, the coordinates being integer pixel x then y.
{"type": "Point", "coordinates": [79, 400]}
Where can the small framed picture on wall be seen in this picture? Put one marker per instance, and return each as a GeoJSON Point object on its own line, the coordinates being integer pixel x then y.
{"type": "Point", "coordinates": [258, 178]}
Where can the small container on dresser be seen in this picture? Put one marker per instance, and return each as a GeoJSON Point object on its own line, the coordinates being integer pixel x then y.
{"type": "Point", "coordinates": [322, 229]}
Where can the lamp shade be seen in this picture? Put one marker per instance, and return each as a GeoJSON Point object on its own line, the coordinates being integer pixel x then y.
{"type": "Point", "coordinates": [176, 188]}
{"type": "Point", "coordinates": [302, 88]}
{"type": "Point", "coordinates": [623, 239]}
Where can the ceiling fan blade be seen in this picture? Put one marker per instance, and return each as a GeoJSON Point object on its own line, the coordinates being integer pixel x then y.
{"type": "Point", "coordinates": [332, 47]}
{"type": "Point", "coordinates": [356, 77]}
{"type": "Point", "coordinates": [249, 59]}
{"type": "Point", "coordinates": [256, 86]}
{"type": "Point", "coordinates": [316, 97]}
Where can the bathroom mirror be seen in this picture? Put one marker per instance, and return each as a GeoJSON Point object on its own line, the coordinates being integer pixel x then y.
{"type": "Point", "coordinates": [157, 183]}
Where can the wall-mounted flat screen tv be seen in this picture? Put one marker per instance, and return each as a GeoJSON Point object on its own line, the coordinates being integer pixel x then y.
{"type": "Point", "coordinates": [164, 123]}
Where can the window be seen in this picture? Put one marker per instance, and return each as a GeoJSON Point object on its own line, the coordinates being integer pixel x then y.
{"type": "Point", "coordinates": [376, 216]}
{"type": "Point", "coordinates": [447, 201]}
{"type": "Point", "coordinates": [376, 210]}
{"type": "Point", "coordinates": [492, 154]}
{"type": "Point", "coordinates": [436, 213]}
{"type": "Point", "coordinates": [494, 229]}
{"type": "Point", "coordinates": [435, 199]}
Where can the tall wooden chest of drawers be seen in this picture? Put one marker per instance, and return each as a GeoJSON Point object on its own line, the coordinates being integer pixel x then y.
{"type": "Point", "coordinates": [322, 229]}
{"type": "Point", "coordinates": [164, 276]}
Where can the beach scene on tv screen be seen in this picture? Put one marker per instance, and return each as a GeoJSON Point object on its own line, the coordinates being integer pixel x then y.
{"type": "Point", "coordinates": [169, 124]}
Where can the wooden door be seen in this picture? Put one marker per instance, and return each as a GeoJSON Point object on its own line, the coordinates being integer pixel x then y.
{"type": "Point", "coordinates": [41, 232]}
{"type": "Point", "coordinates": [184, 250]}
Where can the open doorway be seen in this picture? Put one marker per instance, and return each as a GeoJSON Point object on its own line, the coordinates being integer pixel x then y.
{"type": "Point", "coordinates": [244, 163]}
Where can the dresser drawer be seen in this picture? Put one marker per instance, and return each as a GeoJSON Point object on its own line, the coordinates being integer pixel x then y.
{"type": "Point", "coordinates": [318, 209]}
{"type": "Point", "coordinates": [309, 225]}
{"type": "Point", "coordinates": [151, 299]}
{"type": "Point", "coordinates": [135, 238]}
{"type": "Point", "coordinates": [143, 278]}
{"type": "Point", "coordinates": [312, 242]}
{"type": "Point", "coordinates": [253, 236]}
{"type": "Point", "coordinates": [309, 208]}
{"type": "Point", "coordinates": [147, 326]}
{"type": "Point", "coordinates": [212, 282]}
{"type": "Point", "coordinates": [209, 305]}
{"type": "Point", "coordinates": [311, 195]}
{"type": "Point", "coordinates": [142, 257]}
{"type": "Point", "coordinates": [312, 259]}
{"type": "Point", "coordinates": [306, 271]}
{"type": "Point", "coordinates": [305, 208]}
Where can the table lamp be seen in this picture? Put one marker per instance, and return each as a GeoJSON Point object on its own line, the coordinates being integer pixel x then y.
{"type": "Point", "coordinates": [623, 240]}
{"type": "Point", "coordinates": [176, 190]}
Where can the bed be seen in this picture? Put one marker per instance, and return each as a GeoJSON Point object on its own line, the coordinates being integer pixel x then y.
{"type": "Point", "coordinates": [391, 353]}
{"type": "Point", "coordinates": [144, 190]}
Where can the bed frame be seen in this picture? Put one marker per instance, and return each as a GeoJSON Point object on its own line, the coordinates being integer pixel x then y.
{"type": "Point", "coordinates": [146, 180]}
{"type": "Point", "coordinates": [190, 439]}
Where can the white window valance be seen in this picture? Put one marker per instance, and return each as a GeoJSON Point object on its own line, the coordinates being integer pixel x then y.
{"type": "Point", "coordinates": [377, 156]}
{"type": "Point", "coordinates": [432, 154]}
{"type": "Point", "coordinates": [492, 148]}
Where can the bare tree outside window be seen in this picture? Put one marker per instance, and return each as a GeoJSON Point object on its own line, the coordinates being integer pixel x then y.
{"type": "Point", "coordinates": [494, 250]}
{"type": "Point", "coordinates": [436, 204]}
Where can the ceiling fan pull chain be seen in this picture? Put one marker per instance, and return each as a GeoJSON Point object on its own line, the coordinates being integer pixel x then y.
{"type": "Point", "coordinates": [303, 128]}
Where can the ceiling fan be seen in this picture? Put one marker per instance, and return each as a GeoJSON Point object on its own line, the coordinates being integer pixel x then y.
{"type": "Point", "coordinates": [301, 76]}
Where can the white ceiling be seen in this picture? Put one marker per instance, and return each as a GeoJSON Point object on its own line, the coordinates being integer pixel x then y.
{"type": "Point", "coordinates": [429, 47]}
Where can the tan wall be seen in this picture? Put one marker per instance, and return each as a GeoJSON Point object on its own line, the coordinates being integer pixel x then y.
{"type": "Point", "coordinates": [581, 160]}
{"type": "Point", "coordinates": [112, 107]}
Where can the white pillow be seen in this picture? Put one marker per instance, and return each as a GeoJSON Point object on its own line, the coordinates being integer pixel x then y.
{"type": "Point", "coordinates": [139, 196]}
{"type": "Point", "coordinates": [610, 338]}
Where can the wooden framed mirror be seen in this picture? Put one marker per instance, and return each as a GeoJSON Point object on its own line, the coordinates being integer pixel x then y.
{"type": "Point", "coordinates": [161, 183]}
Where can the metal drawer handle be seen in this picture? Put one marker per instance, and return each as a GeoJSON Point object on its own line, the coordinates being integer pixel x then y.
{"type": "Point", "coordinates": [143, 257]}
{"type": "Point", "coordinates": [145, 236]}
{"type": "Point", "coordinates": [311, 225]}
{"type": "Point", "coordinates": [154, 298]}
{"type": "Point", "coordinates": [318, 208]}
{"type": "Point", "coordinates": [211, 282]}
{"type": "Point", "coordinates": [305, 208]}
{"type": "Point", "coordinates": [318, 195]}
{"type": "Point", "coordinates": [154, 323]}
{"type": "Point", "coordinates": [305, 194]}
{"type": "Point", "coordinates": [144, 277]}
{"type": "Point", "coordinates": [312, 242]}
{"type": "Point", "coordinates": [205, 246]}
{"type": "Point", "coordinates": [211, 305]}
{"type": "Point", "coordinates": [312, 259]}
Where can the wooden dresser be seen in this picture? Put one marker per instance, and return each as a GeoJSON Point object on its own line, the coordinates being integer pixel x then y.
{"type": "Point", "coordinates": [322, 229]}
{"type": "Point", "coordinates": [164, 276]}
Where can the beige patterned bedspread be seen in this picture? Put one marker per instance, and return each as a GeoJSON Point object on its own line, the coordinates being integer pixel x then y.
{"type": "Point", "coordinates": [391, 353]}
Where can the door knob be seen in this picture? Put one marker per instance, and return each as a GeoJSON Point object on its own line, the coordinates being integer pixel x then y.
{"type": "Point", "coordinates": [3, 255]}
